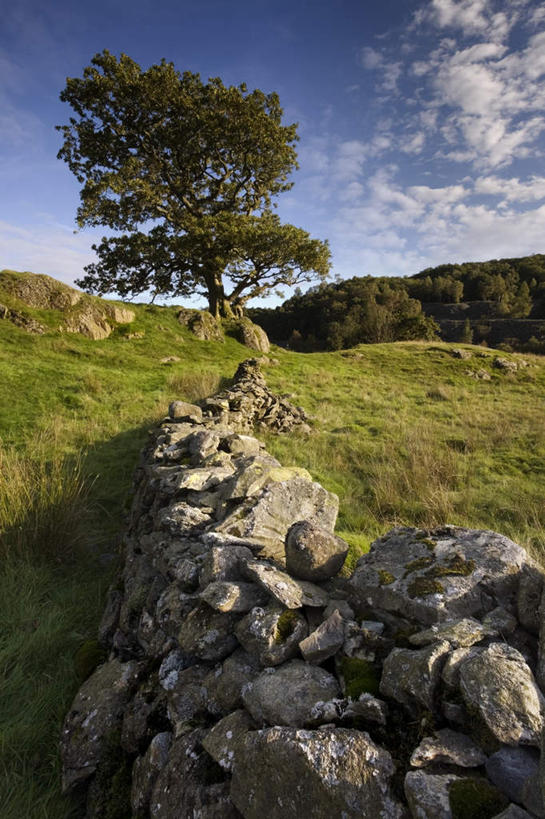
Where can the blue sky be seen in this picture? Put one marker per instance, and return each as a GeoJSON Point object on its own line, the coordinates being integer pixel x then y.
{"type": "Point", "coordinates": [422, 124]}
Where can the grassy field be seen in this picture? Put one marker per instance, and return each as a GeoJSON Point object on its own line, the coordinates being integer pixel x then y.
{"type": "Point", "coordinates": [401, 432]}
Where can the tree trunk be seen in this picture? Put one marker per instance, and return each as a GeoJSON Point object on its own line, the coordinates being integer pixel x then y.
{"type": "Point", "coordinates": [218, 303]}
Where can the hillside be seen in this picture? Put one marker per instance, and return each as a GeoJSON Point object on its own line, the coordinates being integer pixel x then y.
{"type": "Point", "coordinates": [403, 433]}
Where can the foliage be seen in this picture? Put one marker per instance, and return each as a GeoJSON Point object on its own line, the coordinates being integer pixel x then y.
{"type": "Point", "coordinates": [187, 171]}
{"type": "Point", "coordinates": [347, 313]}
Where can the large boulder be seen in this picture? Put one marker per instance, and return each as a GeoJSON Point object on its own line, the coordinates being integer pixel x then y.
{"type": "Point", "coordinates": [445, 573]}
{"type": "Point", "coordinates": [202, 324]}
{"type": "Point", "coordinates": [95, 719]}
{"type": "Point", "coordinates": [248, 333]}
{"type": "Point", "coordinates": [265, 518]}
{"type": "Point", "coordinates": [287, 695]}
{"type": "Point", "coordinates": [284, 773]}
{"type": "Point", "coordinates": [497, 684]}
{"type": "Point", "coordinates": [313, 553]}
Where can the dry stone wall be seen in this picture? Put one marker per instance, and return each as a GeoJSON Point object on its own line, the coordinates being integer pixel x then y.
{"type": "Point", "coordinates": [245, 677]}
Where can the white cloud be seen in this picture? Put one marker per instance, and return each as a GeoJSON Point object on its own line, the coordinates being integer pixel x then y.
{"type": "Point", "coordinates": [49, 248]}
{"type": "Point", "coordinates": [511, 190]}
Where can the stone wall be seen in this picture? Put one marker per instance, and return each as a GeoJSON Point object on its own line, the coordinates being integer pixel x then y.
{"type": "Point", "coordinates": [245, 677]}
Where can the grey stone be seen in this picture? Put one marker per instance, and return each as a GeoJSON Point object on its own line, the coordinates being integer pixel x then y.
{"type": "Point", "coordinates": [272, 634]}
{"type": "Point", "coordinates": [146, 769]}
{"type": "Point", "coordinates": [182, 411]}
{"type": "Point", "coordinates": [208, 634]}
{"type": "Point", "coordinates": [267, 517]}
{"type": "Point", "coordinates": [342, 606]}
{"type": "Point", "coordinates": [451, 670]}
{"type": "Point", "coordinates": [225, 683]}
{"type": "Point", "coordinates": [249, 334]}
{"type": "Point", "coordinates": [509, 768]}
{"type": "Point", "coordinates": [529, 597]}
{"type": "Point", "coordinates": [181, 518]}
{"type": "Point", "coordinates": [411, 677]}
{"type": "Point", "coordinates": [223, 739]}
{"type": "Point", "coordinates": [187, 697]}
{"type": "Point", "coordinates": [224, 562]}
{"type": "Point", "coordinates": [188, 784]}
{"type": "Point", "coordinates": [201, 479]}
{"type": "Point", "coordinates": [436, 575]}
{"type": "Point", "coordinates": [499, 622]}
{"type": "Point", "coordinates": [234, 595]}
{"type": "Point", "coordinates": [498, 683]}
{"type": "Point", "coordinates": [242, 444]}
{"type": "Point", "coordinates": [427, 794]}
{"type": "Point", "coordinates": [369, 708]}
{"type": "Point", "coordinates": [255, 473]}
{"type": "Point", "coordinates": [267, 699]}
{"type": "Point", "coordinates": [532, 797]}
{"type": "Point", "coordinates": [450, 747]}
{"type": "Point", "coordinates": [284, 773]}
{"type": "Point", "coordinates": [513, 812]}
{"type": "Point", "coordinates": [459, 633]}
{"type": "Point", "coordinates": [313, 553]}
{"type": "Point", "coordinates": [110, 617]}
{"type": "Point", "coordinates": [289, 592]}
{"type": "Point", "coordinates": [325, 641]}
{"type": "Point", "coordinates": [97, 709]}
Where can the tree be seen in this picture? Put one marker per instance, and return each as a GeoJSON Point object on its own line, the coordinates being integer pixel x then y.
{"type": "Point", "coordinates": [186, 173]}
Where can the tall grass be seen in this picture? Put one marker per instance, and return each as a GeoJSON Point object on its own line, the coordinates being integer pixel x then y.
{"type": "Point", "coordinates": [44, 503]}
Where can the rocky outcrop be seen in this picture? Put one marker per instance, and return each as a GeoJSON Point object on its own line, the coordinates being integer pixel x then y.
{"type": "Point", "coordinates": [206, 327]}
{"type": "Point", "coordinates": [83, 314]}
{"type": "Point", "coordinates": [246, 678]}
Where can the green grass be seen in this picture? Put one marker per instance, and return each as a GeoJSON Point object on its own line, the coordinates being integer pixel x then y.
{"type": "Point", "coordinates": [400, 432]}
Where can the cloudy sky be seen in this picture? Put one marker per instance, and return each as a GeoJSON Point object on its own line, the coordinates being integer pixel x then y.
{"type": "Point", "coordinates": [422, 124]}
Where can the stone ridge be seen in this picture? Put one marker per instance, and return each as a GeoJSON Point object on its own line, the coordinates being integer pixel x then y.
{"type": "Point", "coordinates": [234, 688]}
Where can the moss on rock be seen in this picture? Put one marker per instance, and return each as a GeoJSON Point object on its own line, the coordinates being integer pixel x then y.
{"type": "Point", "coordinates": [473, 798]}
{"type": "Point", "coordinates": [285, 626]}
{"type": "Point", "coordinates": [385, 578]}
{"type": "Point", "coordinates": [360, 677]}
{"type": "Point", "coordinates": [422, 586]}
{"type": "Point", "coordinates": [89, 655]}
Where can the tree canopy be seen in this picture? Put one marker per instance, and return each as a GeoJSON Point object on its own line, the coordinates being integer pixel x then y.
{"type": "Point", "coordinates": [186, 173]}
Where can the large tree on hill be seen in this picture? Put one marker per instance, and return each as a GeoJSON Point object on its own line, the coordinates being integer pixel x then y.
{"type": "Point", "coordinates": [185, 173]}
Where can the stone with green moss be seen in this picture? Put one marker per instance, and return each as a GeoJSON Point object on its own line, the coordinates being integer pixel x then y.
{"type": "Point", "coordinates": [474, 798]}
{"type": "Point", "coordinates": [423, 586]}
{"type": "Point", "coordinates": [385, 578]}
{"type": "Point", "coordinates": [360, 677]}
{"type": "Point", "coordinates": [272, 634]}
{"type": "Point", "coordinates": [88, 656]}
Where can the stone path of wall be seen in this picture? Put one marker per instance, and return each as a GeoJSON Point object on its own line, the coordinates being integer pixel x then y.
{"type": "Point", "coordinates": [245, 677]}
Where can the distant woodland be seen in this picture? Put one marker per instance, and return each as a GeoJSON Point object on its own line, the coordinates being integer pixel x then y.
{"type": "Point", "coordinates": [499, 302]}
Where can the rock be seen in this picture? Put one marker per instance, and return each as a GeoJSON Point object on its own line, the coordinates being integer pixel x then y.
{"type": "Point", "coordinates": [202, 324]}
{"type": "Point", "coordinates": [313, 553]}
{"type": "Point", "coordinates": [451, 670]}
{"type": "Point", "coordinates": [95, 714]}
{"type": "Point", "coordinates": [460, 353]}
{"type": "Point", "coordinates": [202, 479]}
{"type": "Point", "coordinates": [187, 696]}
{"type": "Point", "coordinates": [189, 785]}
{"type": "Point", "coordinates": [449, 747]}
{"type": "Point", "coordinates": [248, 333]}
{"type": "Point", "coordinates": [448, 796]}
{"type": "Point", "coordinates": [224, 563]}
{"type": "Point", "coordinates": [257, 472]}
{"type": "Point", "coordinates": [146, 770]}
{"type": "Point", "coordinates": [208, 634]}
{"type": "Point", "coordinates": [289, 592]}
{"type": "Point", "coordinates": [224, 685]}
{"type": "Point", "coordinates": [509, 768]}
{"type": "Point", "coordinates": [532, 798]}
{"type": "Point", "coordinates": [442, 574]}
{"type": "Point", "coordinates": [459, 633]}
{"type": "Point", "coordinates": [528, 598]}
{"type": "Point", "coordinates": [498, 684]}
{"type": "Point", "coordinates": [267, 517]}
{"type": "Point", "coordinates": [225, 737]}
{"type": "Point", "coordinates": [411, 676]}
{"type": "Point", "coordinates": [505, 365]}
{"type": "Point", "coordinates": [169, 359]}
{"type": "Point", "coordinates": [342, 607]}
{"type": "Point", "coordinates": [283, 773]}
{"type": "Point", "coordinates": [513, 812]}
{"type": "Point", "coordinates": [369, 708]}
{"type": "Point", "coordinates": [110, 617]}
{"type": "Point", "coordinates": [242, 444]}
{"type": "Point", "coordinates": [499, 622]}
{"type": "Point", "coordinates": [181, 519]}
{"type": "Point", "coordinates": [203, 443]}
{"type": "Point", "coordinates": [265, 698]}
{"type": "Point", "coordinates": [235, 596]}
{"type": "Point", "coordinates": [325, 641]}
{"type": "Point", "coordinates": [272, 634]}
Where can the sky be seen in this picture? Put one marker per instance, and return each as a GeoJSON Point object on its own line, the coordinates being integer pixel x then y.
{"type": "Point", "coordinates": [421, 124]}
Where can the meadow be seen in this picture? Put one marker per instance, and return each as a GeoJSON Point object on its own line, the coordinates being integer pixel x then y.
{"type": "Point", "coordinates": [401, 432]}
